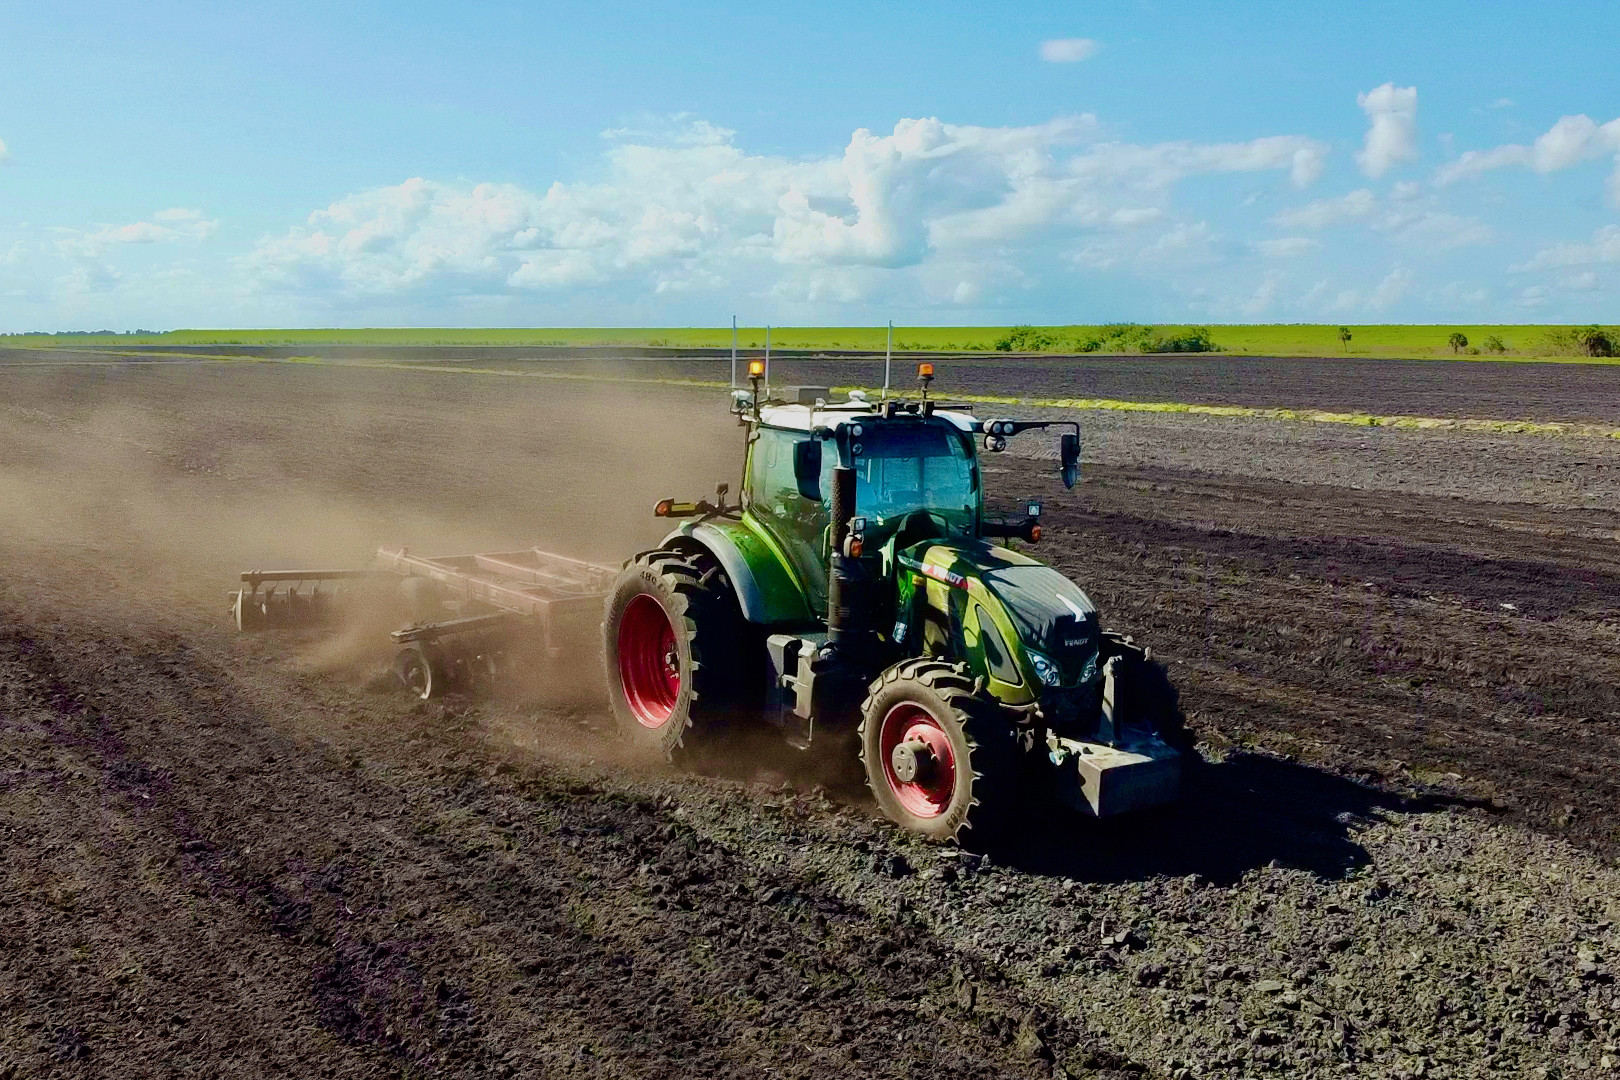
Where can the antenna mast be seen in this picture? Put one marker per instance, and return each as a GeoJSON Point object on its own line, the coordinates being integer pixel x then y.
{"type": "Point", "coordinates": [888, 357]}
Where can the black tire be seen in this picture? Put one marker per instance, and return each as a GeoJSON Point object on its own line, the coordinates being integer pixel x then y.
{"type": "Point", "coordinates": [981, 794]}
{"type": "Point", "coordinates": [1148, 700]}
{"type": "Point", "coordinates": [701, 655]}
{"type": "Point", "coordinates": [421, 671]}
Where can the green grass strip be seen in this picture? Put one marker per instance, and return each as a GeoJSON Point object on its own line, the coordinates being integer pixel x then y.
{"type": "Point", "coordinates": [1524, 343]}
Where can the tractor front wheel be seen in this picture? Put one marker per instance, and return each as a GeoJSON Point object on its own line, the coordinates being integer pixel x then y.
{"type": "Point", "coordinates": [939, 759]}
{"type": "Point", "coordinates": [671, 644]}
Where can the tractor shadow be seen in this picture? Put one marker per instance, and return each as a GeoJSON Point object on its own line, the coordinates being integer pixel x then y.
{"type": "Point", "coordinates": [1240, 814]}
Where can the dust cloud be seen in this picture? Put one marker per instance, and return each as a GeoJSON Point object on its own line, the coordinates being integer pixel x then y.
{"type": "Point", "coordinates": [143, 494]}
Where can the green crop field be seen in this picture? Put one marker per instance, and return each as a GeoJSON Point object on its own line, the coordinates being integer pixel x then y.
{"type": "Point", "coordinates": [1518, 342]}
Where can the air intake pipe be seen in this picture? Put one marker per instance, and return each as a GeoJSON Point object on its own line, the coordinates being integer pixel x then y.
{"type": "Point", "coordinates": [843, 619]}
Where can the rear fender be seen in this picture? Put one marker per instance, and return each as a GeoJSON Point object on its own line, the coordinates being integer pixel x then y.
{"type": "Point", "coordinates": [765, 589]}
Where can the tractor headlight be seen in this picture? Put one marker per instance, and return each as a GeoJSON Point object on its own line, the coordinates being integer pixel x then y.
{"type": "Point", "coordinates": [1045, 670]}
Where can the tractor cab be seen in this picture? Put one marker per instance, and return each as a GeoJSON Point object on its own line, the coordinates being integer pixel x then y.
{"type": "Point", "coordinates": [915, 477]}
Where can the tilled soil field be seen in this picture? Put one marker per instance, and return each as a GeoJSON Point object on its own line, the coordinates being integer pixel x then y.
{"type": "Point", "coordinates": [248, 856]}
{"type": "Point", "coordinates": [1577, 392]}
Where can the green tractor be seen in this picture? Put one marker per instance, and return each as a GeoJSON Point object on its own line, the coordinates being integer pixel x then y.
{"type": "Point", "coordinates": [861, 601]}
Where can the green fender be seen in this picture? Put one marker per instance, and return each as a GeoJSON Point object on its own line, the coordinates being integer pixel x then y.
{"type": "Point", "coordinates": [766, 589]}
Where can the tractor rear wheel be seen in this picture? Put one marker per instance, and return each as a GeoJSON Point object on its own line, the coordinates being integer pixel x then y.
{"type": "Point", "coordinates": [939, 758]}
{"type": "Point", "coordinates": [671, 645]}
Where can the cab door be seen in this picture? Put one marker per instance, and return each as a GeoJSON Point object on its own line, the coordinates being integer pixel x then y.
{"type": "Point", "coordinates": [798, 526]}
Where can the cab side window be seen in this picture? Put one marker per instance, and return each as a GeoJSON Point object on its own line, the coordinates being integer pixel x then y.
{"type": "Point", "coordinates": [773, 495]}
{"type": "Point", "coordinates": [772, 489]}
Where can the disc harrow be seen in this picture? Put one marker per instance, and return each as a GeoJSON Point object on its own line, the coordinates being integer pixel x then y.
{"type": "Point", "coordinates": [466, 613]}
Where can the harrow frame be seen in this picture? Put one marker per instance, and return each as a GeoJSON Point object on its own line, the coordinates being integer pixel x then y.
{"type": "Point", "coordinates": [494, 599]}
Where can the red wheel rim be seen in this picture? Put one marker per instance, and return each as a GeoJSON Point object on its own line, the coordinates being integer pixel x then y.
{"type": "Point", "coordinates": [927, 795]}
{"type": "Point", "coordinates": [649, 666]}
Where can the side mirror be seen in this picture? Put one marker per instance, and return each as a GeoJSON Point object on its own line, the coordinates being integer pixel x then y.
{"type": "Point", "coordinates": [1069, 454]}
{"type": "Point", "coordinates": [807, 468]}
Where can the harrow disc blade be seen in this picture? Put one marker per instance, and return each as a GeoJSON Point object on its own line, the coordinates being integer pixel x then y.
{"type": "Point", "coordinates": [258, 610]}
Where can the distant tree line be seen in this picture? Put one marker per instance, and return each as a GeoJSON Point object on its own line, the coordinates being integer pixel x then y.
{"type": "Point", "coordinates": [1559, 341]}
{"type": "Point", "coordinates": [81, 333]}
{"type": "Point", "coordinates": [1113, 338]}
{"type": "Point", "coordinates": [1584, 341]}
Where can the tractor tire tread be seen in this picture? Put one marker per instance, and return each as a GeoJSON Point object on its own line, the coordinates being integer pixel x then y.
{"type": "Point", "coordinates": [705, 615]}
{"type": "Point", "coordinates": [987, 734]}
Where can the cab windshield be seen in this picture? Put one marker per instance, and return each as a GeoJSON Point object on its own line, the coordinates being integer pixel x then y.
{"type": "Point", "coordinates": [906, 467]}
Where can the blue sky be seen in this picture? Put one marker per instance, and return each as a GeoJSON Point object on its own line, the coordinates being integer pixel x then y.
{"type": "Point", "coordinates": [187, 164]}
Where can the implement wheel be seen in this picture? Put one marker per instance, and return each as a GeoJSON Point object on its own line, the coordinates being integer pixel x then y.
{"type": "Point", "coordinates": [247, 610]}
{"type": "Point", "coordinates": [672, 644]}
{"type": "Point", "coordinates": [420, 671]}
{"type": "Point", "coordinates": [939, 759]}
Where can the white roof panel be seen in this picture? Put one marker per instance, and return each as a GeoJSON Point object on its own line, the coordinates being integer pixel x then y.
{"type": "Point", "coordinates": [798, 417]}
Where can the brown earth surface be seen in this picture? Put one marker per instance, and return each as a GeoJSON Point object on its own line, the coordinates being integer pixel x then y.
{"type": "Point", "coordinates": [1584, 393]}
{"type": "Point", "coordinates": [247, 856]}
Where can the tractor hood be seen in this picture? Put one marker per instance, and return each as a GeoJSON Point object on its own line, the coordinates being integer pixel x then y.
{"type": "Point", "coordinates": [1049, 613]}
{"type": "Point", "coordinates": [1052, 614]}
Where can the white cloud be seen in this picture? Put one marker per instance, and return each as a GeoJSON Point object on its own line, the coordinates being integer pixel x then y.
{"type": "Point", "coordinates": [678, 209]}
{"type": "Point", "coordinates": [1129, 217]}
{"type": "Point", "coordinates": [1392, 128]}
{"type": "Point", "coordinates": [1393, 288]}
{"type": "Point", "coordinates": [166, 227]}
{"type": "Point", "coordinates": [1390, 290]}
{"type": "Point", "coordinates": [1068, 50]}
{"type": "Point", "coordinates": [1355, 206]}
{"type": "Point", "coordinates": [5, 154]}
{"type": "Point", "coordinates": [678, 215]}
{"type": "Point", "coordinates": [1163, 164]}
{"type": "Point", "coordinates": [1287, 247]}
{"type": "Point", "coordinates": [1183, 244]}
{"type": "Point", "coordinates": [181, 216]}
{"type": "Point", "coordinates": [88, 276]}
{"type": "Point", "coordinates": [1264, 296]}
{"type": "Point", "coordinates": [1604, 248]}
{"type": "Point", "coordinates": [1501, 103]}
{"type": "Point", "coordinates": [1474, 162]}
{"type": "Point", "coordinates": [679, 129]}
{"type": "Point", "coordinates": [1407, 217]}
{"type": "Point", "coordinates": [1572, 141]}
{"type": "Point", "coordinates": [1460, 294]}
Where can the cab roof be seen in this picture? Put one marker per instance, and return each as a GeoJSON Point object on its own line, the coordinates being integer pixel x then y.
{"type": "Point", "coordinates": [836, 414]}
